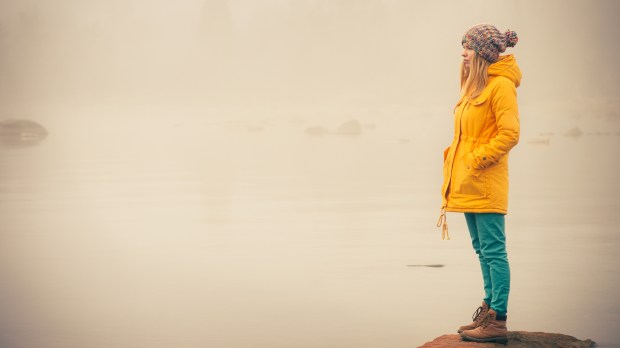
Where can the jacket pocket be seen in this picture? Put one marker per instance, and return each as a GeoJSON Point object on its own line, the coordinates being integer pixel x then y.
{"type": "Point", "coordinates": [469, 165]}
{"type": "Point", "coordinates": [468, 180]}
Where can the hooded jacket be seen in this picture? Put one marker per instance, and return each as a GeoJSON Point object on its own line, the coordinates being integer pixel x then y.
{"type": "Point", "coordinates": [486, 128]}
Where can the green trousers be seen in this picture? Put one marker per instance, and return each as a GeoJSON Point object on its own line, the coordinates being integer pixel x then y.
{"type": "Point", "coordinates": [488, 237]}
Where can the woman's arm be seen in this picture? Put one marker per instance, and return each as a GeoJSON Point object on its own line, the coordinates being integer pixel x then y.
{"type": "Point", "coordinates": [505, 109]}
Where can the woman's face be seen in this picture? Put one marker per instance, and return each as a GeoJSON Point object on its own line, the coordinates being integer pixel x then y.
{"type": "Point", "coordinates": [468, 55]}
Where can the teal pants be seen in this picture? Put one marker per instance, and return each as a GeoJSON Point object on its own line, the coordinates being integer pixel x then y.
{"type": "Point", "coordinates": [488, 237]}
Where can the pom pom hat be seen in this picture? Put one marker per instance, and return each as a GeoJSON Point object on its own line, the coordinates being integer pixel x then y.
{"type": "Point", "coordinates": [489, 42]}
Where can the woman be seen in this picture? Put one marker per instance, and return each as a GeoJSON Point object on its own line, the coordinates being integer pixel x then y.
{"type": "Point", "coordinates": [486, 128]}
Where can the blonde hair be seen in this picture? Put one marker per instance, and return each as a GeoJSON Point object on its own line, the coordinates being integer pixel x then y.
{"type": "Point", "coordinates": [475, 77]}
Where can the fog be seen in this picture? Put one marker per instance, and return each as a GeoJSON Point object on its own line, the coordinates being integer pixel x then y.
{"type": "Point", "coordinates": [278, 54]}
{"type": "Point", "coordinates": [237, 173]}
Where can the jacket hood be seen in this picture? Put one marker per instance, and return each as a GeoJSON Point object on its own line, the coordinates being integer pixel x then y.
{"type": "Point", "coordinates": [506, 66]}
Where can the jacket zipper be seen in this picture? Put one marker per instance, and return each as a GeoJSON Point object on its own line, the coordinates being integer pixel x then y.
{"type": "Point", "coordinates": [442, 222]}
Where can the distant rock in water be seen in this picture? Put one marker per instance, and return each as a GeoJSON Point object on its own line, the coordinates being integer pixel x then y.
{"type": "Point", "coordinates": [516, 339]}
{"type": "Point", "coordinates": [574, 132]}
{"type": "Point", "coordinates": [21, 132]}
{"type": "Point", "coordinates": [317, 131]}
{"type": "Point", "coordinates": [352, 127]}
{"type": "Point", "coordinates": [540, 141]}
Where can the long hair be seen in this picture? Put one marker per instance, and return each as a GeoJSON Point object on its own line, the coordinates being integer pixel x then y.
{"type": "Point", "coordinates": [475, 77]}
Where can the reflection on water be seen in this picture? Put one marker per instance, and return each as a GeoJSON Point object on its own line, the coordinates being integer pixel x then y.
{"type": "Point", "coordinates": [195, 233]}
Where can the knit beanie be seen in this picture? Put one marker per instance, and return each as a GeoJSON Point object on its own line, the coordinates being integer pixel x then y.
{"type": "Point", "coordinates": [488, 42]}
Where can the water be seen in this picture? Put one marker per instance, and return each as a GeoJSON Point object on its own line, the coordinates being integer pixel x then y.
{"type": "Point", "coordinates": [192, 231]}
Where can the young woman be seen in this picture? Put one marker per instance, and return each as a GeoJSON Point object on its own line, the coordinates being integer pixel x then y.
{"type": "Point", "coordinates": [486, 128]}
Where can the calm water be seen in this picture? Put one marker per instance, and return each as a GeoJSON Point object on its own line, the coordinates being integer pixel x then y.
{"type": "Point", "coordinates": [189, 232]}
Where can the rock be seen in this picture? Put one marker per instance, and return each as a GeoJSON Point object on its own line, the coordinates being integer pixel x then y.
{"type": "Point", "coordinates": [516, 339]}
{"type": "Point", "coordinates": [21, 127]}
{"type": "Point", "coordinates": [317, 131]}
{"type": "Point", "coordinates": [574, 132]}
{"type": "Point", "coordinates": [21, 132]}
{"type": "Point", "coordinates": [351, 127]}
{"type": "Point", "coordinates": [540, 141]}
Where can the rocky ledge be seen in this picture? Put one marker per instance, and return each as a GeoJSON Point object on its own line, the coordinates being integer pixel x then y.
{"type": "Point", "coordinates": [21, 132]}
{"type": "Point", "coordinates": [516, 339]}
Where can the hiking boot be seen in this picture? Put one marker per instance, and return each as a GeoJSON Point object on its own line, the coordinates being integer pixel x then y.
{"type": "Point", "coordinates": [490, 330]}
{"type": "Point", "coordinates": [477, 318]}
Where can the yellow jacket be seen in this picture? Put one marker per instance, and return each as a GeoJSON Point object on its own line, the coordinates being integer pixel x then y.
{"type": "Point", "coordinates": [485, 129]}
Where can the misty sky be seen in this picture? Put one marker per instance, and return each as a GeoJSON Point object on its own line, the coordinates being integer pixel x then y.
{"type": "Point", "coordinates": [291, 52]}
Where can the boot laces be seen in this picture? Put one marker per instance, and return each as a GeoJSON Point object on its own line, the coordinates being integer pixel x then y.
{"type": "Point", "coordinates": [477, 314]}
{"type": "Point", "coordinates": [485, 321]}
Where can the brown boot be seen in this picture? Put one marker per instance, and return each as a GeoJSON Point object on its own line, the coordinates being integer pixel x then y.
{"type": "Point", "coordinates": [477, 318]}
{"type": "Point", "coordinates": [490, 330]}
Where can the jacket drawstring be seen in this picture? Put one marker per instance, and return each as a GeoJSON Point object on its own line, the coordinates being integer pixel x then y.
{"type": "Point", "coordinates": [443, 223]}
